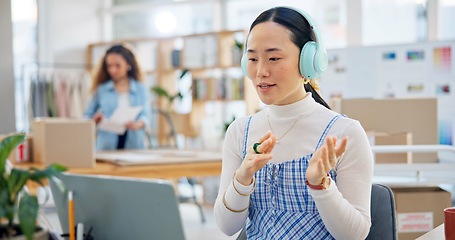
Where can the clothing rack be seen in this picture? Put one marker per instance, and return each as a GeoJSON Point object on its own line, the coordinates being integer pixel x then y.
{"type": "Point", "coordinates": [58, 65]}
{"type": "Point", "coordinates": [27, 72]}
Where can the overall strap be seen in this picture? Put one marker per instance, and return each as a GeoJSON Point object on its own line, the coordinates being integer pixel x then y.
{"type": "Point", "coordinates": [326, 130]}
{"type": "Point", "coordinates": [247, 127]}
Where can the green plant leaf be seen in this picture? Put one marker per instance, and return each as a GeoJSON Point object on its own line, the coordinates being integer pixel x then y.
{"type": "Point", "coordinates": [7, 145]}
{"type": "Point", "coordinates": [9, 209]}
{"type": "Point", "coordinates": [52, 170]}
{"type": "Point", "coordinates": [173, 97]}
{"type": "Point", "coordinates": [238, 45]}
{"type": "Point", "coordinates": [59, 183]}
{"type": "Point", "coordinates": [226, 124]}
{"type": "Point", "coordinates": [3, 201]}
{"type": "Point", "coordinates": [160, 91]}
{"type": "Point", "coordinates": [28, 211]}
{"type": "Point", "coordinates": [16, 182]}
{"type": "Point", "coordinates": [11, 186]}
{"type": "Point", "coordinates": [184, 72]}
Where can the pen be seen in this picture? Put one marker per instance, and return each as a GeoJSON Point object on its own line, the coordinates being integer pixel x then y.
{"type": "Point", "coordinates": [80, 231]}
{"type": "Point", "coordinates": [71, 215]}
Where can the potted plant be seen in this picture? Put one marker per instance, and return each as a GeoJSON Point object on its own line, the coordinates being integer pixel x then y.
{"type": "Point", "coordinates": [15, 203]}
{"type": "Point", "coordinates": [237, 52]}
{"type": "Point", "coordinates": [226, 125]}
{"type": "Point", "coordinates": [182, 122]}
{"type": "Point", "coordinates": [161, 92]}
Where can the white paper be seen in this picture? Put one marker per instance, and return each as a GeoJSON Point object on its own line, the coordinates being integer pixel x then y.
{"type": "Point", "coordinates": [127, 157]}
{"type": "Point", "coordinates": [141, 157]}
{"type": "Point", "coordinates": [122, 115]}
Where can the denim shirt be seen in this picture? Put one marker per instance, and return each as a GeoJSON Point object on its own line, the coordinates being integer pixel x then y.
{"type": "Point", "coordinates": [105, 100]}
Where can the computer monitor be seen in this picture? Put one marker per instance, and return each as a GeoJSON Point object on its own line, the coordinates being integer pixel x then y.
{"type": "Point", "coordinates": [119, 207]}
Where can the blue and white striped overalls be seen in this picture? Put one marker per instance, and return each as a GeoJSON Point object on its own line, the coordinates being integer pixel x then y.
{"type": "Point", "coordinates": [281, 206]}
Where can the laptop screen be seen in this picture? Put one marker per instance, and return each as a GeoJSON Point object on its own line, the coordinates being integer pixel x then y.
{"type": "Point", "coordinates": [119, 207]}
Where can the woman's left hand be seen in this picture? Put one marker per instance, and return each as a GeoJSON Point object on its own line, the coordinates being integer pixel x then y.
{"type": "Point", "coordinates": [134, 125]}
{"type": "Point", "coordinates": [324, 159]}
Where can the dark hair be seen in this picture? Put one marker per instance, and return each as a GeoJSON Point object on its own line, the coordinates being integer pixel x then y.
{"type": "Point", "coordinates": [102, 75]}
{"type": "Point", "coordinates": [300, 30]}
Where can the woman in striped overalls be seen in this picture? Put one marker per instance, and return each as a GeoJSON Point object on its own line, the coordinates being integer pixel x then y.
{"type": "Point", "coordinates": [296, 169]}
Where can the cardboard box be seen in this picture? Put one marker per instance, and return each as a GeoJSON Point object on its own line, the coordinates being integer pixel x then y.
{"type": "Point", "coordinates": [69, 142]}
{"type": "Point", "coordinates": [415, 115]}
{"type": "Point", "coordinates": [419, 210]}
{"type": "Point", "coordinates": [400, 138]}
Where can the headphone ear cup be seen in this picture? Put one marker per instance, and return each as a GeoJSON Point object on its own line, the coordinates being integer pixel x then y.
{"type": "Point", "coordinates": [306, 62]}
{"type": "Point", "coordinates": [244, 63]}
{"type": "Point", "coordinates": [321, 61]}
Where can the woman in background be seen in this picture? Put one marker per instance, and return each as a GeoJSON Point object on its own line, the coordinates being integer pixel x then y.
{"type": "Point", "coordinates": [296, 169]}
{"type": "Point", "coordinates": [118, 83]}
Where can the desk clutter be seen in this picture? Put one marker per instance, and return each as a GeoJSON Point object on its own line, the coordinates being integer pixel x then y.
{"type": "Point", "coordinates": [71, 142]}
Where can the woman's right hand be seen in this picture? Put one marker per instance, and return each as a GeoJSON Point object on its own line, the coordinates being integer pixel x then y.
{"type": "Point", "coordinates": [254, 161]}
{"type": "Point", "coordinates": [98, 117]}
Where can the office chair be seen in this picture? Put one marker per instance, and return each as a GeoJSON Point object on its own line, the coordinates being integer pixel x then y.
{"type": "Point", "coordinates": [383, 215]}
{"type": "Point", "coordinates": [170, 142]}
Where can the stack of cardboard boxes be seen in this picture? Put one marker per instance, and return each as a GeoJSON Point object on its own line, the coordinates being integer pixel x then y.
{"type": "Point", "coordinates": [399, 138]}
{"type": "Point", "coordinates": [404, 122]}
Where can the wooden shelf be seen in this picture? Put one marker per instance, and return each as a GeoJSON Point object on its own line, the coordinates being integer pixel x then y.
{"type": "Point", "coordinates": [201, 68]}
{"type": "Point", "coordinates": [207, 56]}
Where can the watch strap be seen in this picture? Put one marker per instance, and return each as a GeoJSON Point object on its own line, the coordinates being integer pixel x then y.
{"type": "Point", "coordinates": [325, 183]}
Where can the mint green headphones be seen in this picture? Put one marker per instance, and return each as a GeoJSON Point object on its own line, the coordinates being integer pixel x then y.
{"type": "Point", "coordinates": [313, 57]}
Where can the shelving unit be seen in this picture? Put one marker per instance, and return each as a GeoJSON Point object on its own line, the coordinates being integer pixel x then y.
{"type": "Point", "coordinates": [414, 173]}
{"type": "Point", "coordinates": [213, 66]}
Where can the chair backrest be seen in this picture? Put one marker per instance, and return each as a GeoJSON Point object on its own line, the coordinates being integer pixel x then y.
{"type": "Point", "coordinates": [383, 215]}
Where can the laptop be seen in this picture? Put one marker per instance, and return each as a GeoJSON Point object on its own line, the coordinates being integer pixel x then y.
{"type": "Point", "coordinates": [120, 207]}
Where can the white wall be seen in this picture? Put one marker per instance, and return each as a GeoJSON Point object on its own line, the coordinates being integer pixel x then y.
{"type": "Point", "coordinates": [447, 18]}
{"type": "Point", "coordinates": [7, 113]}
{"type": "Point", "coordinates": [66, 27]}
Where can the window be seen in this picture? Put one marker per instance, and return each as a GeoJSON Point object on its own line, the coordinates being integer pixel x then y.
{"type": "Point", "coordinates": [330, 15]}
{"type": "Point", "coordinates": [389, 22]}
{"type": "Point", "coordinates": [164, 20]}
{"type": "Point", "coordinates": [446, 19]}
{"type": "Point", "coordinates": [25, 47]}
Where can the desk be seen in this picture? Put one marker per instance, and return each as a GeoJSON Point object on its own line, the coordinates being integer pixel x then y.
{"type": "Point", "coordinates": [188, 168]}
{"type": "Point", "coordinates": [435, 234]}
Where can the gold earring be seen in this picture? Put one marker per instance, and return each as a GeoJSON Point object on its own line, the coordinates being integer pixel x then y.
{"type": "Point", "coordinates": [305, 80]}
{"type": "Point", "coordinates": [314, 84]}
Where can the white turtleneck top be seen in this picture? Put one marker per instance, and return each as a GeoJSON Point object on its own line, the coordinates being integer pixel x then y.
{"type": "Point", "coordinates": [344, 207]}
